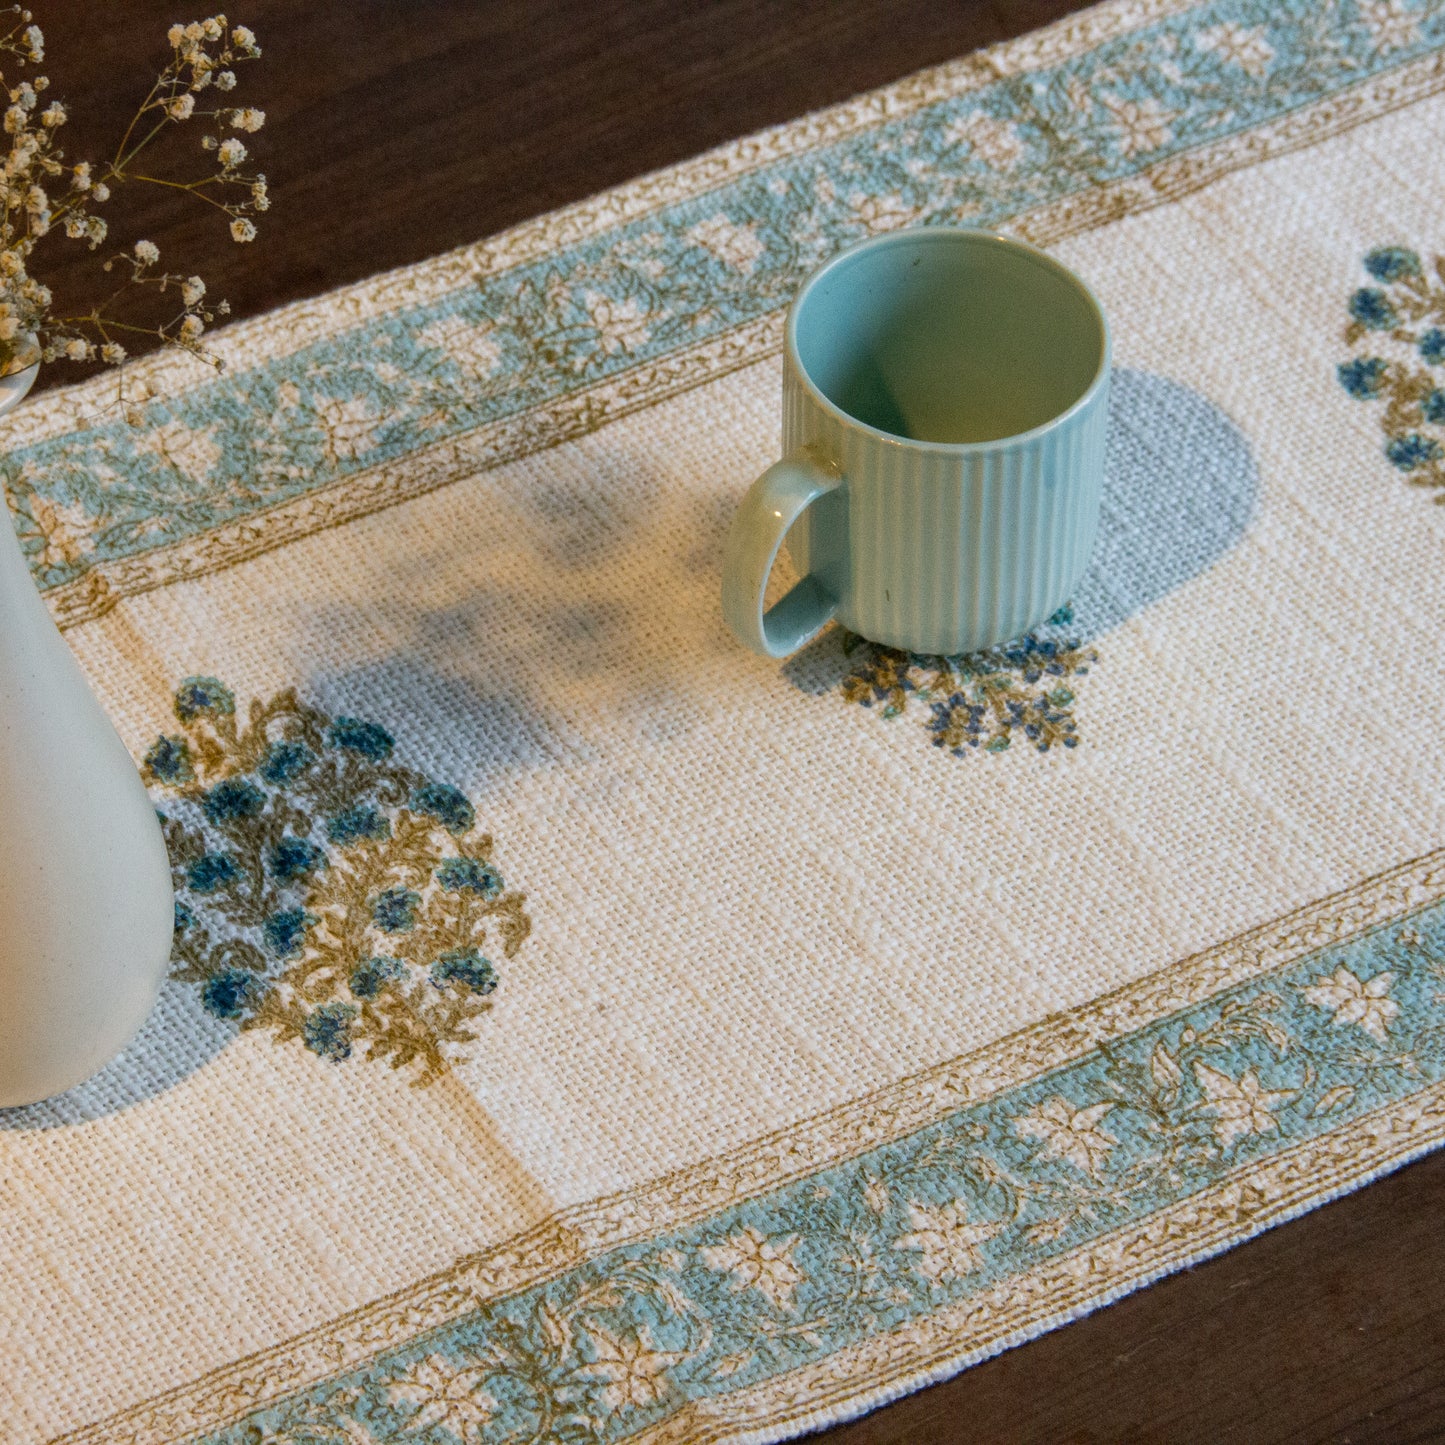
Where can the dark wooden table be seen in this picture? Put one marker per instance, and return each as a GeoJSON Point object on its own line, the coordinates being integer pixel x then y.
{"type": "Point", "coordinates": [398, 128]}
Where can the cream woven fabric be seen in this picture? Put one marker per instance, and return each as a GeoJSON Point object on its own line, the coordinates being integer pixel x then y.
{"type": "Point", "coordinates": [583, 1030]}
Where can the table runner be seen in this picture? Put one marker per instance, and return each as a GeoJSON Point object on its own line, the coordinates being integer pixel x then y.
{"type": "Point", "coordinates": [581, 1029]}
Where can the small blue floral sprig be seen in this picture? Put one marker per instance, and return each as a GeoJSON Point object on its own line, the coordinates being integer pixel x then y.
{"type": "Point", "coordinates": [1405, 304]}
{"type": "Point", "coordinates": [325, 892]}
{"type": "Point", "coordinates": [981, 701]}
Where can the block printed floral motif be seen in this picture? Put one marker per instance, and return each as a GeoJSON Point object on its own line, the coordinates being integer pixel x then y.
{"type": "Point", "coordinates": [1397, 327]}
{"type": "Point", "coordinates": [980, 701]}
{"type": "Point", "coordinates": [325, 892]}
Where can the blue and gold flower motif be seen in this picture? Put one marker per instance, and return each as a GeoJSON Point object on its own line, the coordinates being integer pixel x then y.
{"type": "Point", "coordinates": [327, 1030]}
{"type": "Point", "coordinates": [372, 975]}
{"type": "Point", "coordinates": [465, 968]}
{"type": "Point", "coordinates": [1412, 451]}
{"type": "Point", "coordinates": [278, 844]}
{"type": "Point", "coordinates": [198, 696]}
{"type": "Point", "coordinates": [169, 761]}
{"type": "Point", "coordinates": [212, 872]}
{"type": "Point", "coordinates": [356, 823]}
{"type": "Point", "coordinates": [371, 740]}
{"type": "Point", "coordinates": [445, 803]}
{"type": "Point", "coordinates": [232, 993]}
{"type": "Point", "coordinates": [1372, 309]}
{"type": "Point", "coordinates": [983, 701]}
{"type": "Point", "coordinates": [1413, 417]}
{"type": "Point", "coordinates": [285, 932]}
{"type": "Point", "coordinates": [285, 761]}
{"type": "Point", "coordinates": [233, 799]}
{"type": "Point", "coordinates": [394, 911]}
{"type": "Point", "coordinates": [1363, 377]}
{"type": "Point", "coordinates": [466, 874]}
{"type": "Point", "coordinates": [294, 858]}
{"type": "Point", "coordinates": [1392, 263]}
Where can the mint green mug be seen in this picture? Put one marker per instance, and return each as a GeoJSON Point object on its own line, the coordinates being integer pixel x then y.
{"type": "Point", "coordinates": [945, 394]}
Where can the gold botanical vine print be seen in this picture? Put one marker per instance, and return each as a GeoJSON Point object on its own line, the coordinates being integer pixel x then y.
{"type": "Point", "coordinates": [325, 892]}
{"type": "Point", "coordinates": [1398, 326]}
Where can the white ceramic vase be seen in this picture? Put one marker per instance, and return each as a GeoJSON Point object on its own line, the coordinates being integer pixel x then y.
{"type": "Point", "coordinates": [86, 908]}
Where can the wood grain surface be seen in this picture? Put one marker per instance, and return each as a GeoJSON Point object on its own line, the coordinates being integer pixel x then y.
{"type": "Point", "coordinates": [399, 128]}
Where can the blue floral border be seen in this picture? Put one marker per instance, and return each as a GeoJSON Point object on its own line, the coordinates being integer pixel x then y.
{"type": "Point", "coordinates": [902, 1232]}
{"type": "Point", "coordinates": [690, 272]}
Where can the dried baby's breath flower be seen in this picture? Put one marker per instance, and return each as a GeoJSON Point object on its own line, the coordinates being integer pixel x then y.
{"type": "Point", "coordinates": [32, 166]}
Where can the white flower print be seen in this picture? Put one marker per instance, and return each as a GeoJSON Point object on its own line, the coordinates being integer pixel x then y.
{"type": "Point", "coordinates": [193, 453]}
{"type": "Point", "coordinates": [1233, 44]}
{"type": "Point", "coordinates": [1240, 1106]}
{"type": "Point", "coordinates": [620, 325]}
{"type": "Point", "coordinates": [1354, 1000]}
{"type": "Point", "coordinates": [470, 346]}
{"type": "Point", "coordinates": [875, 1195]}
{"type": "Point", "coordinates": [758, 1262]}
{"type": "Point", "coordinates": [446, 1394]}
{"type": "Point", "coordinates": [733, 244]}
{"type": "Point", "coordinates": [1139, 125]}
{"type": "Point", "coordinates": [1069, 1133]}
{"type": "Point", "coordinates": [635, 1370]}
{"type": "Point", "coordinates": [350, 426]}
{"type": "Point", "coordinates": [995, 142]}
{"type": "Point", "coordinates": [947, 1242]}
{"type": "Point", "coordinates": [1390, 24]}
{"type": "Point", "coordinates": [881, 213]}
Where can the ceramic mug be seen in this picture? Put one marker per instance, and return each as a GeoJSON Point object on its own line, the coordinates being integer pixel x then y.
{"type": "Point", "coordinates": [945, 394]}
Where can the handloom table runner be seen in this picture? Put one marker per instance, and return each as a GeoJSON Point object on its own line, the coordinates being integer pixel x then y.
{"type": "Point", "coordinates": [583, 1030]}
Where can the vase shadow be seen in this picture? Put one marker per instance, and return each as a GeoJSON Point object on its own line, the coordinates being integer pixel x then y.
{"type": "Point", "coordinates": [1180, 483]}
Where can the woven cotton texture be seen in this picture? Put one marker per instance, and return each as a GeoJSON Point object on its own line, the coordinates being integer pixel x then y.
{"type": "Point", "coordinates": [580, 1029]}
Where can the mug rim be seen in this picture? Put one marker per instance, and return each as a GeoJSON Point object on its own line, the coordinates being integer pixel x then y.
{"type": "Point", "coordinates": [949, 235]}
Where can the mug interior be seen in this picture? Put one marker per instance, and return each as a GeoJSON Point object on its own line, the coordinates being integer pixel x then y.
{"type": "Point", "coordinates": [949, 336]}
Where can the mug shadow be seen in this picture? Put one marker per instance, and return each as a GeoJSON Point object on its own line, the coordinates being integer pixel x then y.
{"type": "Point", "coordinates": [1180, 483]}
{"type": "Point", "coordinates": [1180, 487]}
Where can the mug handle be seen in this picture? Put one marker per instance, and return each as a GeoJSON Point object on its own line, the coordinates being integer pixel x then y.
{"type": "Point", "coordinates": [774, 502]}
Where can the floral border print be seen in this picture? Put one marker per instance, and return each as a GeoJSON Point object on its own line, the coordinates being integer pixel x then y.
{"type": "Point", "coordinates": [692, 272]}
{"type": "Point", "coordinates": [1397, 327]}
{"type": "Point", "coordinates": [939, 1222]}
{"type": "Point", "coordinates": [325, 892]}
